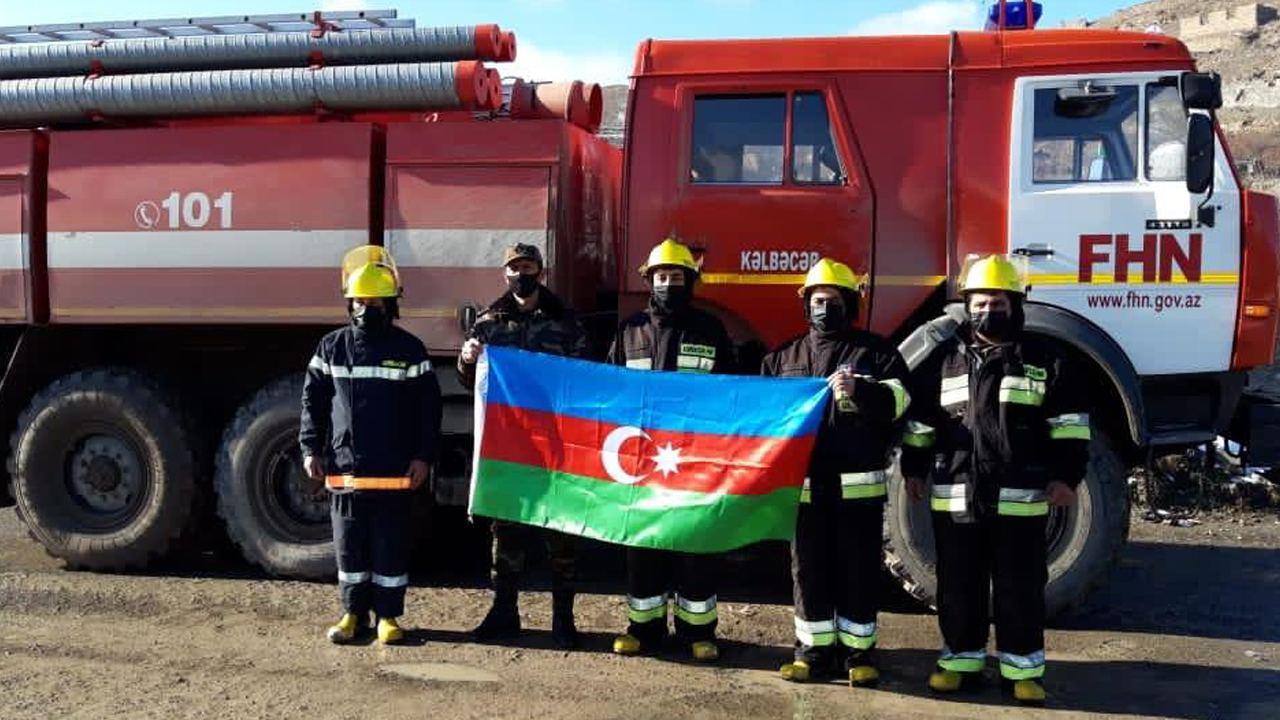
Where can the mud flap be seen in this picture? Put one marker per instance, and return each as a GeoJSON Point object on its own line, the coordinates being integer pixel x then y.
{"type": "Point", "coordinates": [1257, 427]}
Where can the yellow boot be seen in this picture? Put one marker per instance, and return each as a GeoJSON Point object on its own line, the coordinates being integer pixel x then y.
{"type": "Point", "coordinates": [626, 645]}
{"type": "Point", "coordinates": [344, 631]}
{"type": "Point", "coordinates": [797, 671]}
{"type": "Point", "coordinates": [1028, 692]}
{"type": "Point", "coordinates": [389, 631]}
{"type": "Point", "coordinates": [705, 651]}
{"type": "Point", "coordinates": [946, 681]}
{"type": "Point", "coordinates": [863, 676]}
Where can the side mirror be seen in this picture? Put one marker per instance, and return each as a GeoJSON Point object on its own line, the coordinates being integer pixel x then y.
{"type": "Point", "coordinates": [1200, 149]}
{"type": "Point", "coordinates": [1202, 91]}
{"type": "Point", "coordinates": [467, 315]}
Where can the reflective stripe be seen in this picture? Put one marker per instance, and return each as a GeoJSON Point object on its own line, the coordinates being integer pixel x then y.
{"type": "Point", "coordinates": [640, 363]}
{"type": "Point", "coordinates": [390, 581]}
{"type": "Point", "coordinates": [1022, 667]}
{"type": "Point", "coordinates": [1023, 509]}
{"type": "Point", "coordinates": [353, 482]}
{"type": "Point", "coordinates": [861, 492]}
{"type": "Point", "coordinates": [918, 435]}
{"type": "Point", "coordinates": [901, 398]}
{"type": "Point", "coordinates": [952, 505]}
{"type": "Point", "coordinates": [859, 636]}
{"type": "Point", "coordinates": [697, 612]}
{"type": "Point", "coordinates": [949, 491]}
{"type": "Point", "coordinates": [856, 486]}
{"type": "Point", "coordinates": [353, 578]}
{"type": "Point", "coordinates": [1069, 426]}
{"type": "Point", "coordinates": [819, 633]}
{"type": "Point", "coordinates": [646, 603]}
{"type": "Point", "coordinates": [969, 661]}
{"type": "Point", "coordinates": [955, 390]}
{"type": "Point", "coordinates": [694, 364]}
{"type": "Point", "coordinates": [696, 606]}
{"type": "Point", "coordinates": [1021, 391]}
{"type": "Point", "coordinates": [318, 364]}
{"type": "Point", "coordinates": [806, 494]}
{"type": "Point", "coordinates": [1021, 495]}
{"type": "Point", "coordinates": [375, 372]}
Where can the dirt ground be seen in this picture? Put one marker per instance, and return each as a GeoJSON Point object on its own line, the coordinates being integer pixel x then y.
{"type": "Point", "coordinates": [1187, 628]}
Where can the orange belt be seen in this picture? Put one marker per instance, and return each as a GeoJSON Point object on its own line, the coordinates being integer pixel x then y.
{"type": "Point", "coordinates": [352, 482]}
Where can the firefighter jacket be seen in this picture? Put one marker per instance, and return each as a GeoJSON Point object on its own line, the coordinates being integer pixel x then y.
{"type": "Point", "coordinates": [996, 424]}
{"type": "Point", "coordinates": [551, 328]}
{"type": "Point", "coordinates": [690, 341]}
{"type": "Point", "coordinates": [854, 444]}
{"type": "Point", "coordinates": [370, 403]}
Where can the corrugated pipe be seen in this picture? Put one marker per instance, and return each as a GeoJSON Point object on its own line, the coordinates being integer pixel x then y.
{"type": "Point", "coordinates": [255, 50]}
{"type": "Point", "coordinates": [402, 86]}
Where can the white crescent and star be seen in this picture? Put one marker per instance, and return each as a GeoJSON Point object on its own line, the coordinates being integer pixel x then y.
{"type": "Point", "coordinates": [667, 460]}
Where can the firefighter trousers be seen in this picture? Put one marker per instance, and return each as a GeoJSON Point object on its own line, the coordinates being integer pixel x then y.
{"type": "Point", "coordinates": [835, 569]}
{"type": "Point", "coordinates": [371, 538]}
{"type": "Point", "coordinates": [653, 576]}
{"type": "Point", "coordinates": [1000, 554]}
{"type": "Point", "coordinates": [511, 543]}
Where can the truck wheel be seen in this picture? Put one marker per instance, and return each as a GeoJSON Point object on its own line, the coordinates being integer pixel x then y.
{"type": "Point", "coordinates": [275, 514]}
{"type": "Point", "coordinates": [103, 470]}
{"type": "Point", "coordinates": [1084, 540]}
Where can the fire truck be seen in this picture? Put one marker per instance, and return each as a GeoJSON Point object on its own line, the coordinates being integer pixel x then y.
{"type": "Point", "coordinates": [176, 196]}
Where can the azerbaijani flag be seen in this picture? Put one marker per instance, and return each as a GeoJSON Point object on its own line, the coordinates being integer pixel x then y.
{"type": "Point", "coordinates": [673, 461]}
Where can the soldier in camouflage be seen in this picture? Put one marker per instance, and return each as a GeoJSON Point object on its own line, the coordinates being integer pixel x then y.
{"type": "Point", "coordinates": [530, 317]}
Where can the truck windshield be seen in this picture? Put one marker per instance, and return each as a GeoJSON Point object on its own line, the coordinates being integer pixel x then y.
{"type": "Point", "coordinates": [1097, 146]}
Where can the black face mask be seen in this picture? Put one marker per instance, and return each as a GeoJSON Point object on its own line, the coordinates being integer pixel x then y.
{"type": "Point", "coordinates": [522, 285]}
{"type": "Point", "coordinates": [993, 325]}
{"type": "Point", "coordinates": [827, 319]}
{"type": "Point", "coordinates": [670, 299]}
{"type": "Point", "coordinates": [370, 318]}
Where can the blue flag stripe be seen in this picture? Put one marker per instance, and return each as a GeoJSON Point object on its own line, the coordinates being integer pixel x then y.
{"type": "Point", "coordinates": [677, 402]}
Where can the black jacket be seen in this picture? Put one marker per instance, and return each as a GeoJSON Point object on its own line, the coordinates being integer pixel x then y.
{"type": "Point", "coordinates": [551, 328]}
{"type": "Point", "coordinates": [992, 418]}
{"type": "Point", "coordinates": [864, 439]}
{"type": "Point", "coordinates": [370, 404]}
{"type": "Point", "coordinates": [689, 341]}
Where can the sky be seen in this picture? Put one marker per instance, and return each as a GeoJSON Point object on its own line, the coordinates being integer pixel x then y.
{"type": "Point", "coordinates": [594, 40]}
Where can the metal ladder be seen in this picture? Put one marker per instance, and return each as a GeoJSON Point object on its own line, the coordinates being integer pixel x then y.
{"type": "Point", "coordinates": [222, 25]}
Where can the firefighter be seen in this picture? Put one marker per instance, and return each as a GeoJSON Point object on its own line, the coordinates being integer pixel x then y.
{"type": "Point", "coordinates": [671, 335]}
{"type": "Point", "coordinates": [997, 421]}
{"type": "Point", "coordinates": [370, 424]}
{"type": "Point", "coordinates": [530, 317]}
{"type": "Point", "coordinates": [835, 556]}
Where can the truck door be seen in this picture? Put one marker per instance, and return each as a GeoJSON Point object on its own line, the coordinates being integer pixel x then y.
{"type": "Point", "coordinates": [767, 183]}
{"type": "Point", "coordinates": [1100, 208]}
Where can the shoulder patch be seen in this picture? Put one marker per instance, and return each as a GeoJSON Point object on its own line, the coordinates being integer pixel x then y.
{"type": "Point", "coordinates": [1035, 373]}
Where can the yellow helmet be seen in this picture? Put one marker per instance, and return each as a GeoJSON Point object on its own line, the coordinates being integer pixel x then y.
{"type": "Point", "coordinates": [672, 253]}
{"type": "Point", "coordinates": [370, 271]}
{"type": "Point", "coordinates": [995, 273]}
{"type": "Point", "coordinates": [829, 272]}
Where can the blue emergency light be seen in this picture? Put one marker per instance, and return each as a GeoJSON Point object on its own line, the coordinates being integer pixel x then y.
{"type": "Point", "coordinates": [1015, 15]}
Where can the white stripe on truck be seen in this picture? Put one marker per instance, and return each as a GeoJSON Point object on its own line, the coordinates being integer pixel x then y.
{"type": "Point", "coordinates": [458, 248]}
{"type": "Point", "coordinates": [12, 252]}
{"type": "Point", "coordinates": [202, 248]}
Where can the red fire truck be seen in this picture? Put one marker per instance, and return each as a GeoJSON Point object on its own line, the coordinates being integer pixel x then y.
{"type": "Point", "coordinates": [173, 216]}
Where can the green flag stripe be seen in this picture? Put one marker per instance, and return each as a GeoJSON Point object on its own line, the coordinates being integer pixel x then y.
{"type": "Point", "coordinates": [634, 515]}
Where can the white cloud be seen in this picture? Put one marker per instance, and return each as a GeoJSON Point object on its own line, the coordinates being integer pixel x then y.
{"type": "Point", "coordinates": [534, 63]}
{"type": "Point", "coordinates": [936, 16]}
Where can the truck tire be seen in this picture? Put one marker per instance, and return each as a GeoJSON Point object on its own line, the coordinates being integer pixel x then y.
{"type": "Point", "coordinates": [103, 470]}
{"type": "Point", "coordinates": [1084, 540]}
{"type": "Point", "coordinates": [274, 513]}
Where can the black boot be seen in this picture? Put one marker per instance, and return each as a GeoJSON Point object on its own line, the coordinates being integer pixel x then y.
{"type": "Point", "coordinates": [563, 632]}
{"type": "Point", "coordinates": [503, 620]}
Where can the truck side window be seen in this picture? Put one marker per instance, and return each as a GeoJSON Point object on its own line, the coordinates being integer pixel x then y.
{"type": "Point", "coordinates": [738, 139]}
{"type": "Point", "coordinates": [1166, 133]}
{"type": "Point", "coordinates": [1089, 138]}
{"type": "Point", "coordinates": [814, 159]}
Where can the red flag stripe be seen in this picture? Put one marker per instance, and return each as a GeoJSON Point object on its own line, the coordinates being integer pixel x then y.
{"type": "Point", "coordinates": [708, 463]}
